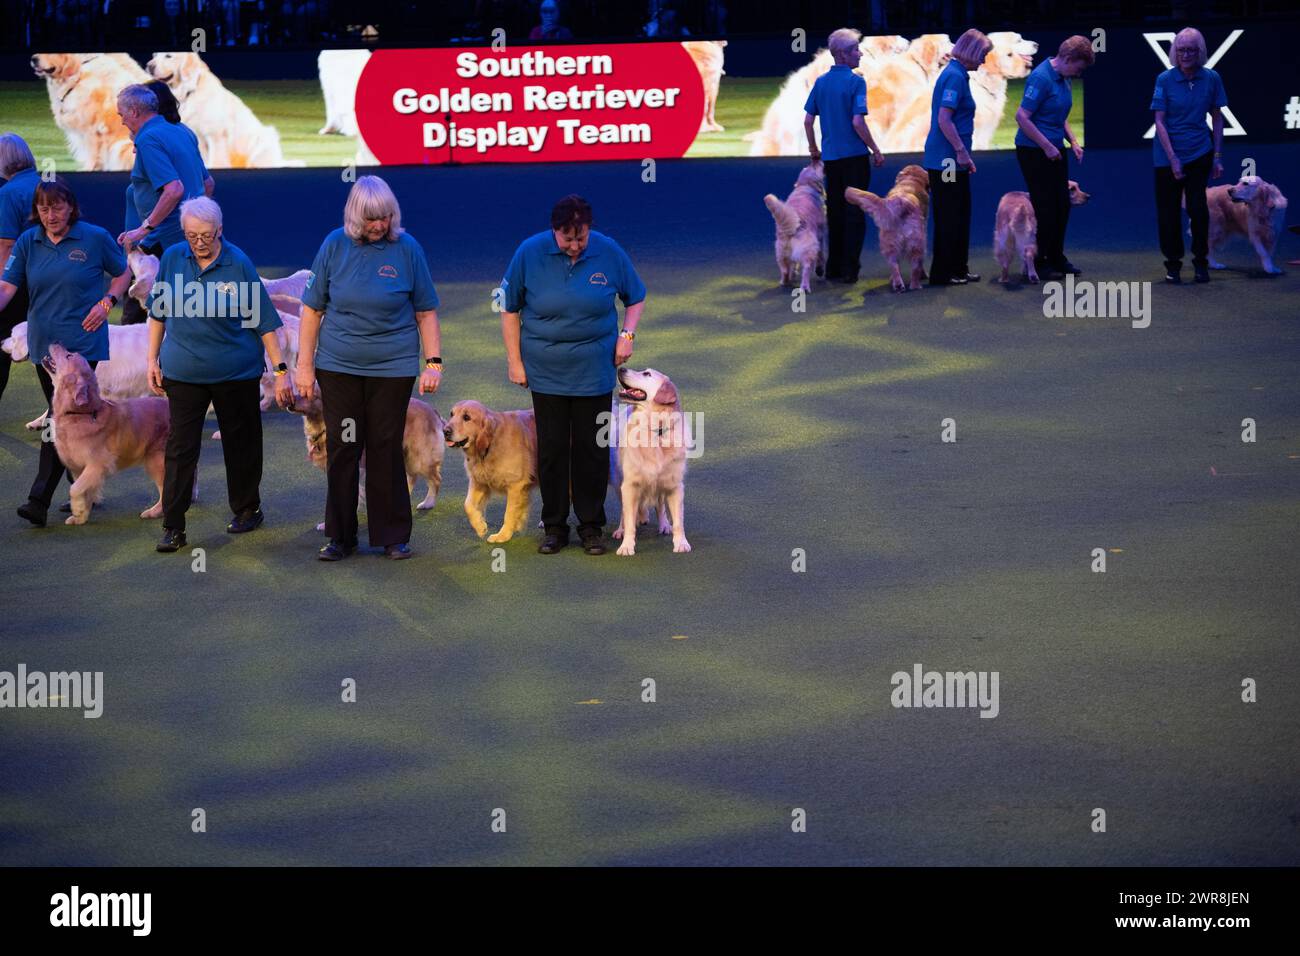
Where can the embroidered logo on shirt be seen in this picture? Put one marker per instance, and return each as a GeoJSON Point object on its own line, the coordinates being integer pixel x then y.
{"type": "Point", "coordinates": [388, 272]}
{"type": "Point", "coordinates": [77, 255]}
{"type": "Point", "coordinates": [311, 277]}
{"type": "Point", "coordinates": [228, 288]}
{"type": "Point", "coordinates": [950, 96]}
{"type": "Point", "coordinates": [598, 278]}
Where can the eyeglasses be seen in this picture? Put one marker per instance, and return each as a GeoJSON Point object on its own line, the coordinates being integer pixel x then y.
{"type": "Point", "coordinates": [202, 238]}
{"type": "Point", "coordinates": [1187, 51]}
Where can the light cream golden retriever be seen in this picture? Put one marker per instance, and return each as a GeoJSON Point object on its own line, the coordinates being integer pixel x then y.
{"type": "Point", "coordinates": [901, 81]}
{"type": "Point", "coordinates": [801, 228]}
{"type": "Point", "coordinates": [422, 445]}
{"type": "Point", "coordinates": [500, 456]}
{"type": "Point", "coordinates": [95, 437]}
{"type": "Point", "coordinates": [1015, 231]}
{"type": "Point", "coordinates": [83, 90]}
{"type": "Point", "coordinates": [340, 72]}
{"type": "Point", "coordinates": [230, 136]}
{"type": "Point", "coordinates": [708, 58]}
{"type": "Point", "coordinates": [652, 446]}
{"type": "Point", "coordinates": [900, 218]}
{"type": "Point", "coordinates": [1251, 208]}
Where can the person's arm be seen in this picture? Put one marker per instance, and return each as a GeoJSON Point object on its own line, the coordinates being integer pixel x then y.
{"type": "Point", "coordinates": [431, 340]}
{"type": "Point", "coordinates": [156, 329]}
{"type": "Point", "coordinates": [167, 201]}
{"type": "Point", "coordinates": [631, 316]}
{"type": "Point", "coordinates": [808, 121]}
{"type": "Point", "coordinates": [1030, 129]}
{"type": "Point", "coordinates": [209, 185]}
{"type": "Point", "coordinates": [864, 133]}
{"type": "Point", "coordinates": [304, 376]}
{"type": "Point", "coordinates": [1162, 134]}
{"type": "Point", "coordinates": [1074, 143]}
{"type": "Point", "coordinates": [98, 313]}
{"type": "Point", "coordinates": [6, 247]}
{"type": "Point", "coordinates": [7, 292]}
{"type": "Point", "coordinates": [949, 131]}
{"type": "Point", "coordinates": [1216, 117]}
{"type": "Point", "coordinates": [514, 358]}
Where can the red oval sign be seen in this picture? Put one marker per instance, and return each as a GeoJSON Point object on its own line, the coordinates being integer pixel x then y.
{"type": "Point", "coordinates": [530, 104]}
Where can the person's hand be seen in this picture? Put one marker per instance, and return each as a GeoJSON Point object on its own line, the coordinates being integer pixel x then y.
{"type": "Point", "coordinates": [430, 379]}
{"type": "Point", "coordinates": [96, 317]}
{"type": "Point", "coordinates": [1217, 171]}
{"type": "Point", "coordinates": [877, 158]}
{"type": "Point", "coordinates": [130, 238]}
{"type": "Point", "coordinates": [964, 161]}
{"type": "Point", "coordinates": [518, 375]}
{"type": "Point", "coordinates": [284, 395]}
{"type": "Point", "coordinates": [1176, 167]}
{"type": "Point", "coordinates": [1051, 152]}
{"type": "Point", "coordinates": [1078, 152]}
{"type": "Point", "coordinates": [622, 350]}
{"type": "Point", "coordinates": [814, 153]}
{"type": "Point", "coordinates": [155, 378]}
{"type": "Point", "coordinates": [304, 380]}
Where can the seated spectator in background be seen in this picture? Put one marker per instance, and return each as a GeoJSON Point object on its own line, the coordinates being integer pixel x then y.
{"type": "Point", "coordinates": [550, 27]}
{"type": "Point", "coordinates": [665, 23]}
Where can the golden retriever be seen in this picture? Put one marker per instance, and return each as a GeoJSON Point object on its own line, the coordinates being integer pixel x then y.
{"type": "Point", "coordinates": [340, 72]}
{"type": "Point", "coordinates": [708, 57]}
{"type": "Point", "coordinates": [1251, 208]}
{"type": "Point", "coordinates": [230, 136]}
{"type": "Point", "coordinates": [95, 437]}
{"type": "Point", "coordinates": [652, 445]}
{"type": "Point", "coordinates": [422, 447]}
{"type": "Point", "coordinates": [902, 81]}
{"type": "Point", "coordinates": [801, 227]}
{"type": "Point", "coordinates": [83, 90]}
{"type": "Point", "coordinates": [900, 219]}
{"type": "Point", "coordinates": [500, 456]}
{"type": "Point", "coordinates": [1015, 231]}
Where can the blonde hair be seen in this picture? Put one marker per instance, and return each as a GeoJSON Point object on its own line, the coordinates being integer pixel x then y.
{"type": "Point", "coordinates": [15, 155]}
{"type": "Point", "coordinates": [371, 198]}
{"type": "Point", "coordinates": [845, 38]}
{"type": "Point", "coordinates": [972, 46]}
{"type": "Point", "coordinates": [203, 209]}
{"type": "Point", "coordinates": [1202, 54]}
{"type": "Point", "coordinates": [1077, 48]}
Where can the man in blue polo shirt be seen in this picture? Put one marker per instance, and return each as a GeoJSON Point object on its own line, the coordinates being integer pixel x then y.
{"type": "Point", "coordinates": [18, 169]}
{"type": "Point", "coordinates": [1185, 159]}
{"type": "Point", "coordinates": [839, 98]}
{"type": "Point", "coordinates": [211, 319]}
{"type": "Point", "coordinates": [168, 170]}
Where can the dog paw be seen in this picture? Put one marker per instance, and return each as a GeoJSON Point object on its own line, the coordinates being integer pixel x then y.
{"type": "Point", "coordinates": [154, 512]}
{"type": "Point", "coordinates": [74, 519]}
{"type": "Point", "coordinates": [425, 506]}
{"type": "Point", "coordinates": [681, 546]}
{"type": "Point", "coordinates": [626, 549]}
{"type": "Point", "coordinates": [665, 528]}
{"type": "Point", "coordinates": [499, 538]}
{"type": "Point", "coordinates": [618, 533]}
{"type": "Point", "coordinates": [321, 527]}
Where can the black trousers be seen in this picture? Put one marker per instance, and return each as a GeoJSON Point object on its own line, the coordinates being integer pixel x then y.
{"type": "Point", "coordinates": [366, 415]}
{"type": "Point", "coordinates": [846, 224]}
{"type": "Point", "coordinates": [568, 455]}
{"type": "Point", "coordinates": [1169, 214]}
{"type": "Point", "coordinates": [950, 203]}
{"type": "Point", "coordinates": [1048, 182]}
{"type": "Point", "coordinates": [49, 468]}
{"type": "Point", "coordinates": [239, 416]}
{"type": "Point", "coordinates": [11, 315]}
{"type": "Point", "coordinates": [132, 311]}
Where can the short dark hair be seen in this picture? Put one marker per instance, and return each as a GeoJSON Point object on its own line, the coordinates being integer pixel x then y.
{"type": "Point", "coordinates": [51, 192]}
{"type": "Point", "coordinates": [168, 108]}
{"type": "Point", "coordinates": [571, 212]}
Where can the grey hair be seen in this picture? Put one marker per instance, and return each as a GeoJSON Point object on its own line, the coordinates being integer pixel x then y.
{"type": "Point", "coordinates": [15, 155]}
{"type": "Point", "coordinates": [203, 209]}
{"type": "Point", "coordinates": [371, 198]}
{"type": "Point", "coordinates": [845, 38]}
{"type": "Point", "coordinates": [1192, 33]}
{"type": "Point", "coordinates": [138, 98]}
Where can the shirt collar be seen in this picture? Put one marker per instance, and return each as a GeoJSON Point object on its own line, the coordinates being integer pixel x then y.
{"type": "Point", "coordinates": [554, 250]}
{"type": "Point", "coordinates": [1181, 78]}
{"type": "Point", "coordinates": [21, 172]}
{"type": "Point", "coordinates": [156, 118]}
{"type": "Point", "coordinates": [74, 232]}
{"type": "Point", "coordinates": [222, 259]}
{"type": "Point", "coordinates": [1056, 77]}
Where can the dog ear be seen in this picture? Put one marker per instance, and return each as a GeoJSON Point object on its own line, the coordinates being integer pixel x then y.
{"type": "Point", "coordinates": [667, 394]}
{"type": "Point", "coordinates": [82, 394]}
{"type": "Point", "coordinates": [484, 437]}
{"type": "Point", "coordinates": [1275, 198]}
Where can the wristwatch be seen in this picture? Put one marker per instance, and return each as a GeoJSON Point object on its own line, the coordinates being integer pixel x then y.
{"type": "Point", "coordinates": [434, 361]}
{"type": "Point", "coordinates": [628, 334]}
{"type": "Point", "coordinates": [281, 369]}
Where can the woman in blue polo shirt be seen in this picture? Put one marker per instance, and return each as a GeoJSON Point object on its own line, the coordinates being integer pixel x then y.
{"type": "Point", "coordinates": [1044, 121]}
{"type": "Point", "coordinates": [18, 169]}
{"type": "Point", "coordinates": [372, 301]}
{"type": "Point", "coordinates": [1185, 158]}
{"type": "Point", "coordinates": [210, 318]}
{"type": "Point", "coordinates": [947, 159]}
{"type": "Point", "coordinates": [560, 326]}
{"type": "Point", "coordinates": [64, 264]}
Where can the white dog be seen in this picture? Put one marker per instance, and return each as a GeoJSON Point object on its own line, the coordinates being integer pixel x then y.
{"type": "Point", "coordinates": [83, 90]}
{"type": "Point", "coordinates": [340, 72]}
{"type": "Point", "coordinates": [652, 442]}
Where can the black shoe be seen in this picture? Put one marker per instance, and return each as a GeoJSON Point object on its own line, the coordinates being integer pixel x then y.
{"type": "Point", "coordinates": [397, 552]}
{"type": "Point", "coordinates": [246, 521]}
{"type": "Point", "coordinates": [34, 512]}
{"type": "Point", "coordinates": [1202, 274]}
{"type": "Point", "coordinates": [172, 540]}
{"type": "Point", "coordinates": [953, 281]}
{"type": "Point", "coordinates": [972, 277]}
{"type": "Point", "coordinates": [1066, 267]}
{"type": "Point", "coordinates": [553, 543]}
{"type": "Point", "coordinates": [1173, 278]}
{"type": "Point", "coordinates": [335, 551]}
{"type": "Point", "coordinates": [847, 280]}
{"type": "Point", "coordinates": [593, 544]}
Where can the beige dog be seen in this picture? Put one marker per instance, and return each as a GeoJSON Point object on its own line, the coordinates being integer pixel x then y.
{"type": "Point", "coordinates": [96, 438]}
{"type": "Point", "coordinates": [83, 90]}
{"type": "Point", "coordinates": [230, 136]}
{"type": "Point", "coordinates": [500, 456]}
{"type": "Point", "coordinates": [652, 444]}
{"type": "Point", "coordinates": [1011, 58]}
{"type": "Point", "coordinates": [902, 81]}
{"type": "Point", "coordinates": [900, 219]}
{"type": "Point", "coordinates": [422, 446]}
{"type": "Point", "coordinates": [708, 57]}
{"type": "Point", "coordinates": [801, 227]}
{"type": "Point", "coordinates": [1015, 231]}
{"type": "Point", "coordinates": [1251, 208]}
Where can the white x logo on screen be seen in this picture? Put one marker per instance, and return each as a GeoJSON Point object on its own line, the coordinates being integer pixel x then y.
{"type": "Point", "coordinates": [1161, 41]}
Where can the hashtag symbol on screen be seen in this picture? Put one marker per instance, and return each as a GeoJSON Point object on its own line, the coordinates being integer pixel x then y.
{"type": "Point", "coordinates": [1292, 114]}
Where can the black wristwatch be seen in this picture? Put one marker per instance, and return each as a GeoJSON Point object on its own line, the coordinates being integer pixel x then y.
{"type": "Point", "coordinates": [434, 361]}
{"type": "Point", "coordinates": [281, 369]}
{"type": "Point", "coordinates": [111, 298]}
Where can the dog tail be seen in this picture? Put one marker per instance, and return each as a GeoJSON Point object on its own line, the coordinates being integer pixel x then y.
{"type": "Point", "coordinates": [787, 220]}
{"type": "Point", "coordinates": [869, 203]}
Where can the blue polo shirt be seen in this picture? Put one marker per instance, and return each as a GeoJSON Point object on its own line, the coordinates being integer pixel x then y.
{"type": "Point", "coordinates": [205, 311]}
{"type": "Point", "coordinates": [368, 294]}
{"type": "Point", "coordinates": [837, 97]}
{"type": "Point", "coordinates": [1185, 103]}
{"type": "Point", "coordinates": [1047, 100]}
{"type": "Point", "coordinates": [64, 280]}
{"type": "Point", "coordinates": [16, 202]}
{"type": "Point", "coordinates": [951, 91]}
{"type": "Point", "coordinates": [164, 152]}
{"type": "Point", "coordinates": [569, 320]}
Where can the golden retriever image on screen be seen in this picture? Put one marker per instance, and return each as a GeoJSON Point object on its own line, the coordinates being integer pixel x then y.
{"type": "Point", "coordinates": [708, 57]}
{"type": "Point", "coordinates": [83, 90]}
{"type": "Point", "coordinates": [801, 228]}
{"type": "Point", "coordinates": [500, 457]}
{"type": "Point", "coordinates": [1251, 208]}
{"type": "Point", "coordinates": [900, 219]}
